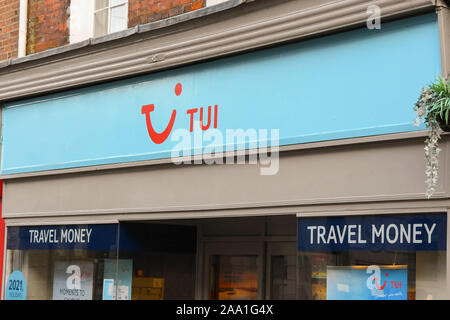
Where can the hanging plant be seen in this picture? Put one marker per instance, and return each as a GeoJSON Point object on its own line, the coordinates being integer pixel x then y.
{"type": "Point", "coordinates": [433, 104]}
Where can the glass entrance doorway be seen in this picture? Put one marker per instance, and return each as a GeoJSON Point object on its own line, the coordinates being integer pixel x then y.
{"type": "Point", "coordinates": [251, 271]}
{"type": "Point", "coordinates": [234, 277]}
{"type": "Point", "coordinates": [237, 273]}
{"type": "Point", "coordinates": [233, 271]}
{"type": "Point", "coordinates": [249, 258]}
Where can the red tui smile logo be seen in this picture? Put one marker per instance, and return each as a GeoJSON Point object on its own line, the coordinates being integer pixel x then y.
{"type": "Point", "coordinates": [374, 280]}
{"type": "Point", "coordinates": [160, 137]}
{"type": "Point", "coordinates": [156, 137]}
{"type": "Point", "coordinates": [384, 284]}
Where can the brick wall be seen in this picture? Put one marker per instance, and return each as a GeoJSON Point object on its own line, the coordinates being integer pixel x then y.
{"type": "Point", "coordinates": [145, 11]}
{"type": "Point", "coordinates": [48, 21]}
{"type": "Point", "coordinates": [9, 28]}
{"type": "Point", "coordinates": [48, 24]}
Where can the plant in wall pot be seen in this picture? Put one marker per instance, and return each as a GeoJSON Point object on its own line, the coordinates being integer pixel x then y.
{"type": "Point", "coordinates": [433, 104]}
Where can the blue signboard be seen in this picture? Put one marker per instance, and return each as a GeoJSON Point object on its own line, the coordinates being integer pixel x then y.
{"type": "Point", "coordinates": [351, 84]}
{"type": "Point", "coordinates": [403, 232]}
{"type": "Point", "coordinates": [70, 237]}
{"type": "Point", "coordinates": [16, 287]}
{"type": "Point", "coordinates": [367, 283]}
{"type": "Point", "coordinates": [104, 237]}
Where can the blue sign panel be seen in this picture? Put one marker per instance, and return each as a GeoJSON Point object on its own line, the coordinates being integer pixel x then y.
{"type": "Point", "coordinates": [367, 283]}
{"type": "Point", "coordinates": [108, 289]}
{"type": "Point", "coordinates": [351, 84]}
{"type": "Point", "coordinates": [70, 237]}
{"type": "Point", "coordinates": [16, 287]}
{"type": "Point", "coordinates": [403, 232]}
{"type": "Point", "coordinates": [104, 237]}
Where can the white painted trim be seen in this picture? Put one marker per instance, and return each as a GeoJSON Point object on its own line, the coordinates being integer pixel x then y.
{"type": "Point", "coordinates": [23, 19]}
{"type": "Point", "coordinates": [80, 27]}
{"type": "Point", "coordinates": [214, 2]}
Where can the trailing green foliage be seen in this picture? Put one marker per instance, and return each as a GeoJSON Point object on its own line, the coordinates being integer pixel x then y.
{"type": "Point", "coordinates": [433, 104]}
{"type": "Point", "coordinates": [440, 104]}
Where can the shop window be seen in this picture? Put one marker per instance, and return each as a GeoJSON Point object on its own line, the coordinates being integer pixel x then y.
{"type": "Point", "coordinates": [387, 257]}
{"type": "Point", "coordinates": [88, 262]}
{"type": "Point", "coordinates": [61, 262]}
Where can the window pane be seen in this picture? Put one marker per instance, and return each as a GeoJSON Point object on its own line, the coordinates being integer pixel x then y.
{"type": "Point", "coordinates": [117, 2]}
{"type": "Point", "coordinates": [119, 17]}
{"type": "Point", "coordinates": [101, 23]}
{"type": "Point", "coordinates": [100, 4]}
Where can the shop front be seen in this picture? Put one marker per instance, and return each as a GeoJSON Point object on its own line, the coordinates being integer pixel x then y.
{"type": "Point", "coordinates": [362, 257]}
{"type": "Point", "coordinates": [388, 257]}
{"type": "Point", "coordinates": [290, 172]}
{"type": "Point", "coordinates": [185, 259]}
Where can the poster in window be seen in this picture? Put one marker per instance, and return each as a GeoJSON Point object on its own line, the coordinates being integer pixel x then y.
{"type": "Point", "coordinates": [367, 283]}
{"type": "Point", "coordinates": [123, 270]}
{"type": "Point", "coordinates": [73, 280]}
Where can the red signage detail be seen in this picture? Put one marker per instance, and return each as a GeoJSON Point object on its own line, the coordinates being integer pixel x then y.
{"type": "Point", "coordinates": [178, 89]}
{"type": "Point", "coordinates": [159, 138]}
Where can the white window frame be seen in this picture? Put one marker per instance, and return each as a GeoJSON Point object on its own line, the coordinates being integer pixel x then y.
{"type": "Point", "coordinates": [109, 10]}
{"type": "Point", "coordinates": [214, 2]}
{"type": "Point", "coordinates": [81, 28]}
